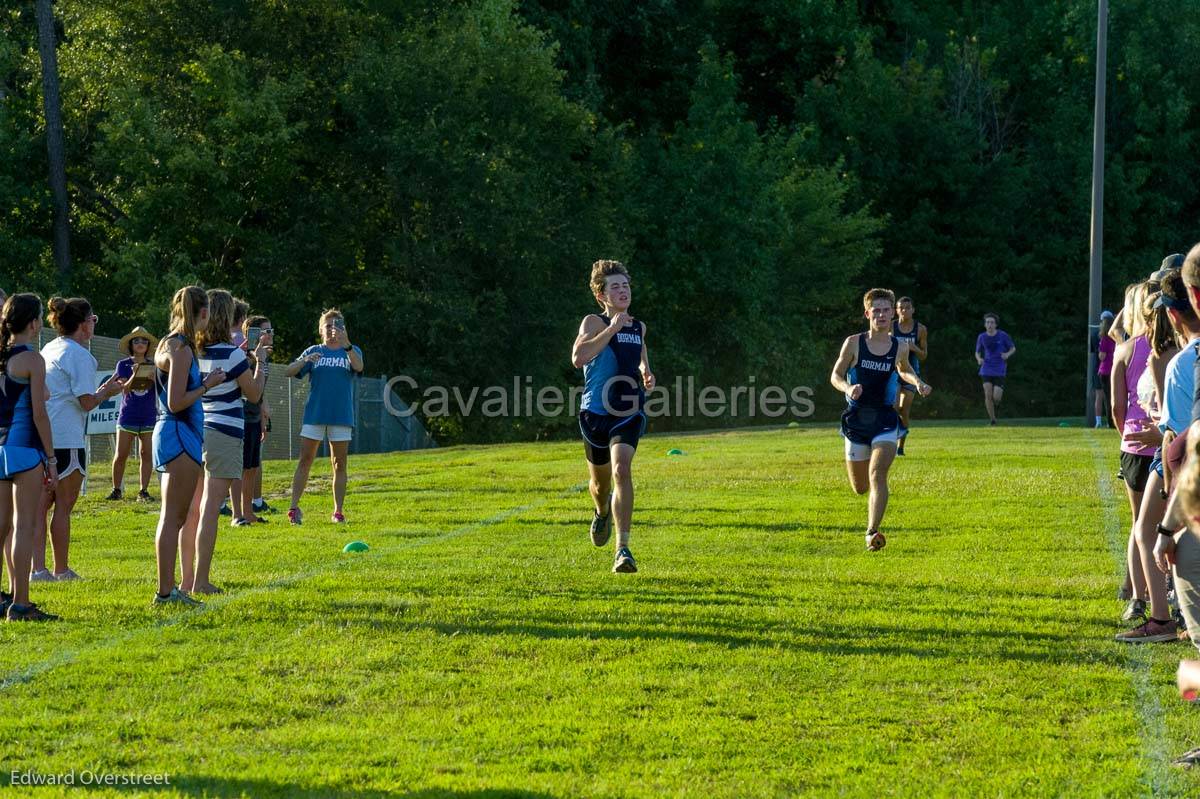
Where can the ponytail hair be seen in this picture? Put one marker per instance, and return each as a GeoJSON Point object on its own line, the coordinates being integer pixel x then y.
{"type": "Point", "coordinates": [66, 316]}
{"type": "Point", "coordinates": [18, 313]}
{"type": "Point", "coordinates": [186, 306]}
{"type": "Point", "coordinates": [221, 309]}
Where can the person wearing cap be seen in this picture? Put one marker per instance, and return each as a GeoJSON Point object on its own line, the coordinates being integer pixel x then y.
{"type": "Point", "coordinates": [137, 414]}
{"type": "Point", "coordinates": [1105, 347]}
{"type": "Point", "coordinates": [1119, 331]}
{"type": "Point", "coordinates": [1172, 423]}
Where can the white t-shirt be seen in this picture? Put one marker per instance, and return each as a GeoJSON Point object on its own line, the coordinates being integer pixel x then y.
{"type": "Point", "coordinates": [70, 373]}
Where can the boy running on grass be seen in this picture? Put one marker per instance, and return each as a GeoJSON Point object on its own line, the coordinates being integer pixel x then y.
{"type": "Point", "coordinates": [611, 350]}
{"type": "Point", "coordinates": [868, 371]}
{"type": "Point", "coordinates": [915, 334]}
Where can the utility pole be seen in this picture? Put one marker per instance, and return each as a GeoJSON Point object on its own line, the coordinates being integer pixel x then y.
{"type": "Point", "coordinates": [1097, 240]}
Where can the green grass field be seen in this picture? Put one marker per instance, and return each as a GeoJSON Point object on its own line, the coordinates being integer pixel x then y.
{"type": "Point", "coordinates": [483, 648]}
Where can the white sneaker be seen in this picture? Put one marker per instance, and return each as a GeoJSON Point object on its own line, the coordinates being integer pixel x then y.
{"type": "Point", "coordinates": [41, 576]}
{"type": "Point", "coordinates": [67, 576]}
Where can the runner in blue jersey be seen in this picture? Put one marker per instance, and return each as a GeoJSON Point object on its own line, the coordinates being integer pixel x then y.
{"type": "Point", "coordinates": [25, 438]}
{"type": "Point", "coordinates": [868, 371]}
{"type": "Point", "coordinates": [611, 350]}
{"type": "Point", "coordinates": [916, 335]}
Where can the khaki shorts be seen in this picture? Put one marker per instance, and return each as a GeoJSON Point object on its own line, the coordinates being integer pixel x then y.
{"type": "Point", "coordinates": [222, 455]}
{"type": "Point", "coordinates": [1187, 581]}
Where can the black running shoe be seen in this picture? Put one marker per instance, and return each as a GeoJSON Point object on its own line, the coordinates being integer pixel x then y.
{"type": "Point", "coordinates": [30, 612]}
{"type": "Point", "coordinates": [114, 494]}
{"type": "Point", "coordinates": [5, 601]}
{"type": "Point", "coordinates": [144, 496]}
{"type": "Point", "coordinates": [225, 509]}
{"type": "Point", "coordinates": [601, 528]}
{"type": "Point", "coordinates": [624, 563]}
{"type": "Point", "coordinates": [900, 450]}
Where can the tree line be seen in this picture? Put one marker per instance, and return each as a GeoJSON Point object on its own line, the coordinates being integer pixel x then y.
{"type": "Point", "coordinates": [446, 173]}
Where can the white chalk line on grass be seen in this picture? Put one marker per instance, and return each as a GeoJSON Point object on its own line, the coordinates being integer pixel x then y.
{"type": "Point", "coordinates": [1140, 656]}
{"type": "Point", "coordinates": [216, 603]}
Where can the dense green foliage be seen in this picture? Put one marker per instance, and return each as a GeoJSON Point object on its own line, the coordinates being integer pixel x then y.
{"type": "Point", "coordinates": [482, 647]}
{"type": "Point", "coordinates": [446, 172]}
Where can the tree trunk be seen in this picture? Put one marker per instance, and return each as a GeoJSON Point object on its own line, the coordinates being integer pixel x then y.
{"type": "Point", "coordinates": [55, 146]}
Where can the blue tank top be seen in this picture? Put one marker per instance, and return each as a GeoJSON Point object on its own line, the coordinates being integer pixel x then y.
{"type": "Point", "coordinates": [876, 374]}
{"type": "Point", "coordinates": [910, 338]}
{"type": "Point", "coordinates": [193, 415]}
{"type": "Point", "coordinates": [613, 374]}
{"type": "Point", "coordinates": [16, 410]}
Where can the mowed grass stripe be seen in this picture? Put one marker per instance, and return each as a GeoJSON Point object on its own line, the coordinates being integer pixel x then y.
{"type": "Point", "coordinates": [760, 652]}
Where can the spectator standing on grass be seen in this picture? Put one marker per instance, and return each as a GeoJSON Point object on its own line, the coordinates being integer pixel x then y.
{"type": "Point", "coordinates": [258, 424]}
{"type": "Point", "coordinates": [1177, 548]}
{"type": "Point", "coordinates": [223, 431]}
{"type": "Point", "coordinates": [331, 367]}
{"type": "Point", "coordinates": [1105, 347]}
{"type": "Point", "coordinates": [1152, 616]}
{"type": "Point", "coordinates": [25, 438]}
{"type": "Point", "coordinates": [179, 431]}
{"type": "Point", "coordinates": [137, 415]}
{"type": "Point", "coordinates": [71, 383]}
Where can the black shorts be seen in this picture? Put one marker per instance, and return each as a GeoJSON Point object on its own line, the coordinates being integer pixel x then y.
{"type": "Point", "coordinates": [252, 445]}
{"type": "Point", "coordinates": [71, 461]}
{"type": "Point", "coordinates": [862, 424]}
{"type": "Point", "coordinates": [601, 430]}
{"type": "Point", "coordinates": [998, 382]}
{"type": "Point", "coordinates": [1135, 469]}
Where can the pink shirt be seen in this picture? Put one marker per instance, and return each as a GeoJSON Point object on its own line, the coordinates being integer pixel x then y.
{"type": "Point", "coordinates": [1136, 418]}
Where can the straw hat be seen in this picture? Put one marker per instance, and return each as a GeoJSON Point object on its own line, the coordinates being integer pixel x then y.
{"type": "Point", "coordinates": [137, 332]}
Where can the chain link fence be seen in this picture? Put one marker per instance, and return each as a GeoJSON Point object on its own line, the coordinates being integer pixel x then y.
{"type": "Point", "coordinates": [377, 429]}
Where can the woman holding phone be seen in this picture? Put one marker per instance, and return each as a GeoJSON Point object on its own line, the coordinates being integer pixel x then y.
{"type": "Point", "coordinates": [137, 414]}
{"type": "Point", "coordinates": [257, 418]}
{"type": "Point", "coordinates": [329, 410]}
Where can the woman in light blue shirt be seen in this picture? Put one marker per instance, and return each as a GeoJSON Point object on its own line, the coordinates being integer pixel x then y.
{"type": "Point", "coordinates": [331, 367]}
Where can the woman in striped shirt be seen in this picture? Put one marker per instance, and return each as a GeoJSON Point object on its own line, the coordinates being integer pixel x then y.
{"type": "Point", "coordinates": [223, 429]}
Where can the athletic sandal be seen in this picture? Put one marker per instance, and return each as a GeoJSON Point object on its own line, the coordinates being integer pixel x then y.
{"type": "Point", "coordinates": [1152, 632]}
{"type": "Point", "coordinates": [1135, 611]}
{"type": "Point", "coordinates": [30, 612]}
{"type": "Point", "coordinates": [295, 516]}
{"type": "Point", "coordinates": [875, 540]}
{"type": "Point", "coordinates": [624, 563]}
{"type": "Point", "coordinates": [338, 518]}
{"type": "Point", "coordinates": [177, 597]}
